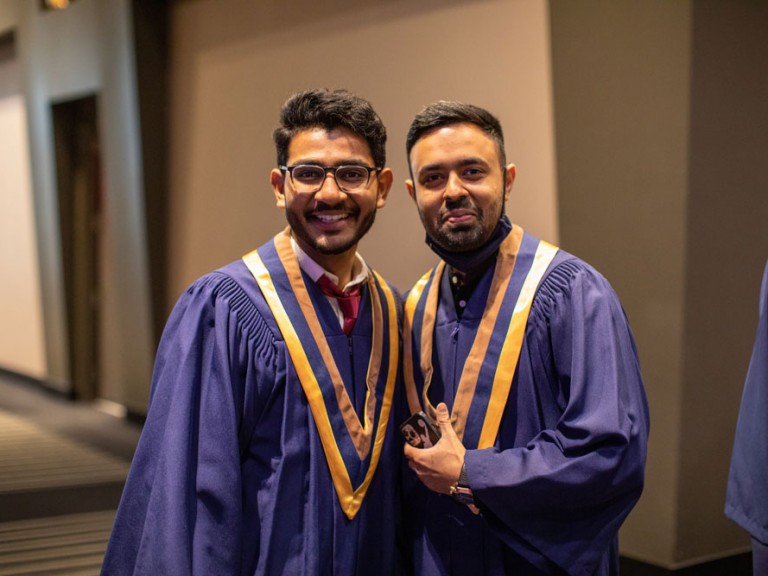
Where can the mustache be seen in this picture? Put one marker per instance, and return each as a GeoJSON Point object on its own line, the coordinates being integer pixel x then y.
{"type": "Point", "coordinates": [321, 206]}
{"type": "Point", "coordinates": [463, 203]}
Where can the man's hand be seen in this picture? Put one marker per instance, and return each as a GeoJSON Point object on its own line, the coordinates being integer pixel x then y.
{"type": "Point", "coordinates": [439, 467]}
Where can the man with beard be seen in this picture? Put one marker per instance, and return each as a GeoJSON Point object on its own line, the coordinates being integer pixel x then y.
{"type": "Point", "coordinates": [268, 446]}
{"type": "Point", "coordinates": [522, 355]}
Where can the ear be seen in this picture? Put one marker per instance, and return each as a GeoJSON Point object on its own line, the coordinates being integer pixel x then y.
{"type": "Point", "coordinates": [511, 172]}
{"type": "Point", "coordinates": [411, 190]}
{"type": "Point", "coordinates": [385, 179]}
{"type": "Point", "coordinates": [277, 179]}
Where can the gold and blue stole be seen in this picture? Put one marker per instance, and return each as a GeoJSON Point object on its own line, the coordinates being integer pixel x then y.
{"type": "Point", "coordinates": [347, 442]}
{"type": "Point", "coordinates": [489, 369]}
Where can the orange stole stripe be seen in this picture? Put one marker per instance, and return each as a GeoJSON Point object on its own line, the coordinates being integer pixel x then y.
{"type": "Point", "coordinates": [410, 309]}
{"type": "Point", "coordinates": [513, 343]}
{"type": "Point", "coordinates": [360, 433]}
{"type": "Point", "coordinates": [468, 381]}
{"type": "Point", "coordinates": [350, 500]}
{"type": "Point", "coordinates": [510, 352]}
{"type": "Point", "coordinates": [502, 275]}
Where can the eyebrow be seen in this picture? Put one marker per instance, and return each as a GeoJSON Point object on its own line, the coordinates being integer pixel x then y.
{"type": "Point", "coordinates": [460, 164]}
{"type": "Point", "coordinates": [344, 162]}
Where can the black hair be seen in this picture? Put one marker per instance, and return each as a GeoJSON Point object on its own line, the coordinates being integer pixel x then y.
{"type": "Point", "coordinates": [445, 113]}
{"type": "Point", "coordinates": [329, 109]}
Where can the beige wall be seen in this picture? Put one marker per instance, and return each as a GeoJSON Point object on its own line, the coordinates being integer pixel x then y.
{"type": "Point", "coordinates": [23, 348]}
{"type": "Point", "coordinates": [621, 100]}
{"type": "Point", "coordinates": [726, 246]}
{"type": "Point", "coordinates": [64, 55]}
{"type": "Point", "coordinates": [661, 118]}
{"type": "Point", "coordinates": [234, 62]}
{"type": "Point", "coordinates": [657, 181]}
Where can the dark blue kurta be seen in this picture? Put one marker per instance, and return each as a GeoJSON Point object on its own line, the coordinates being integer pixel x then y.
{"type": "Point", "coordinates": [568, 463]}
{"type": "Point", "coordinates": [747, 495]}
{"type": "Point", "coordinates": [230, 476]}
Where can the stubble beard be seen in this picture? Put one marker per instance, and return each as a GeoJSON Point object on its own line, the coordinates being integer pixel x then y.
{"type": "Point", "coordinates": [461, 238]}
{"type": "Point", "coordinates": [329, 245]}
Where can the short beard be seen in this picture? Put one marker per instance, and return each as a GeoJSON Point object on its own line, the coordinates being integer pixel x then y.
{"type": "Point", "coordinates": [458, 240]}
{"type": "Point", "coordinates": [462, 239]}
{"type": "Point", "coordinates": [329, 250]}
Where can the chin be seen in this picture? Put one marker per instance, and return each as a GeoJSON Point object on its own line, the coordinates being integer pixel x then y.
{"type": "Point", "coordinates": [335, 246]}
{"type": "Point", "coordinates": [459, 240]}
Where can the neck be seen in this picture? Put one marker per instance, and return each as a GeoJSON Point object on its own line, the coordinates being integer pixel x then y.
{"type": "Point", "coordinates": [340, 265]}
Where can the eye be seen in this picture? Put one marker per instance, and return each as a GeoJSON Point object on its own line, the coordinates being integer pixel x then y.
{"type": "Point", "coordinates": [473, 174]}
{"type": "Point", "coordinates": [433, 180]}
{"type": "Point", "coordinates": [308, 173]}
{"type": "Point", "coordinates": [352, 174]}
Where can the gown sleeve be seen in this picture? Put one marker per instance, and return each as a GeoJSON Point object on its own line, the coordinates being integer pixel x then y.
{"type": "Point", "coordinates": [561, 497]}
{"type": "Point", "coordinates": [746, 503]}
{"type": "Point", "coordinates": [180, 511]}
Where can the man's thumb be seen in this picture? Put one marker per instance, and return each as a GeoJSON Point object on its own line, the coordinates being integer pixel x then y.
{"type": "Point", "coordinates": [442, 414]}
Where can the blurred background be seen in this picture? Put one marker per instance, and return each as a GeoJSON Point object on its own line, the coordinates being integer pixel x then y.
{"type": "Point", "coordinates": [135, 151]}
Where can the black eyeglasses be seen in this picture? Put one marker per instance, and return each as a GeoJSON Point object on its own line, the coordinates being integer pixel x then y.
{"type": "Point", "coordinates": [309, 178]}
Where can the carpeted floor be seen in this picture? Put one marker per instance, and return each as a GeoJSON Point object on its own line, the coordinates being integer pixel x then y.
{"type": "Point", "coordinates": [62, 469]}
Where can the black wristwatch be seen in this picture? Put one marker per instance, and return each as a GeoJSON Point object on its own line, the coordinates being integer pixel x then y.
{"type": "Point", "coordinates": [461, 491]}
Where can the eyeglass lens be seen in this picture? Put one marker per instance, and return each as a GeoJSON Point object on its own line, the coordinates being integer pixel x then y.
{"type": "Point", "coordinates": [309, 178]}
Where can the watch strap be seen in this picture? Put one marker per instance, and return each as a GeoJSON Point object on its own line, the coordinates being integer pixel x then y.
{"type": "Point", "coordinates": [460, 491]}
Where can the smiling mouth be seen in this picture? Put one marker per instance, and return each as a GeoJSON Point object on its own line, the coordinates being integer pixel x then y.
{"type": "Point", "coordinates": [331, 217]}
{"type": "Point", "coordinates": [331, 220]}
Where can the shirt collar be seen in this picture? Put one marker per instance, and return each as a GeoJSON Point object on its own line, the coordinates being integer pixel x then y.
{"type": "Point", "coordinates": [314, 270]}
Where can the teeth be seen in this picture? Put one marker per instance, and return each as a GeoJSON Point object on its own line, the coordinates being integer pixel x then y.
{"type": "Point", "coordinates": [330, 218]}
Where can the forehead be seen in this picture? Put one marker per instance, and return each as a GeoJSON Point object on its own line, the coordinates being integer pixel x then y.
{"type": "Point", "coordinates": [453, 143]}
{"type": "Point", "coordinates": [319, 144]}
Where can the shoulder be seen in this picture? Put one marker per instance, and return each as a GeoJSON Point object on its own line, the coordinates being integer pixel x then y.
{"type": "Point", "coordinates": [383, 283]}
{"type": "Point", "coordinates": [567, 271]}
{"type": "Point", "coordinates": [571, 281]}
{"type": "Point", "coordinates": [396, 293]}
{"type": "Point", "coordinates": [224, 286]}
{"type": "Point", "coordinates": [228, 292]}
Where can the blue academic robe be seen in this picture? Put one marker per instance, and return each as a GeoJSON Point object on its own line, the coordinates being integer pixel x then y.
{"type": "Point", "coordinates": [230, 475]}
{"type": "Point", "coordinates": [746, 501]}
{"type": "Point", "coordinates": [567, 465]}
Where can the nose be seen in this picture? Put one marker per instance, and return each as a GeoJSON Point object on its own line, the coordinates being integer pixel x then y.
{"type": "Point", "coordinates": [454, 188]}
{"type": "Point", "coordinates": [329, 192]}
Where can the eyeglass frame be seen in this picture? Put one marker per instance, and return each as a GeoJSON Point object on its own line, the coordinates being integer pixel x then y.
{"type": "Point", "coordinates": [332, 169]}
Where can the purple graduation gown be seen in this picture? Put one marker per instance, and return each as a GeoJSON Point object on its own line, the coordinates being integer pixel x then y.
{"type": "Point", "coordinates": [568, 462]}
{"type": "Point", "coordinates": [230, 476]}
{"type": "Point", "coordinates": [747, 494]}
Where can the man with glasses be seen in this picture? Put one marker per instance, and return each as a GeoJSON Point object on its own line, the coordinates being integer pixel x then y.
{"type": "Point", "coordinates": [269, 446]}
{"type": "Point", "coordinates": [522, 355]}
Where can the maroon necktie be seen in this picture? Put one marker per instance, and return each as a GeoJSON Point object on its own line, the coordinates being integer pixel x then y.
{"type": "Point", "coordinates": [349, 302]}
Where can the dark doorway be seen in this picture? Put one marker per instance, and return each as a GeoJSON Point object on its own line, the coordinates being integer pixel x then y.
{"type": "Point", "coordinates": [78, 177]}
